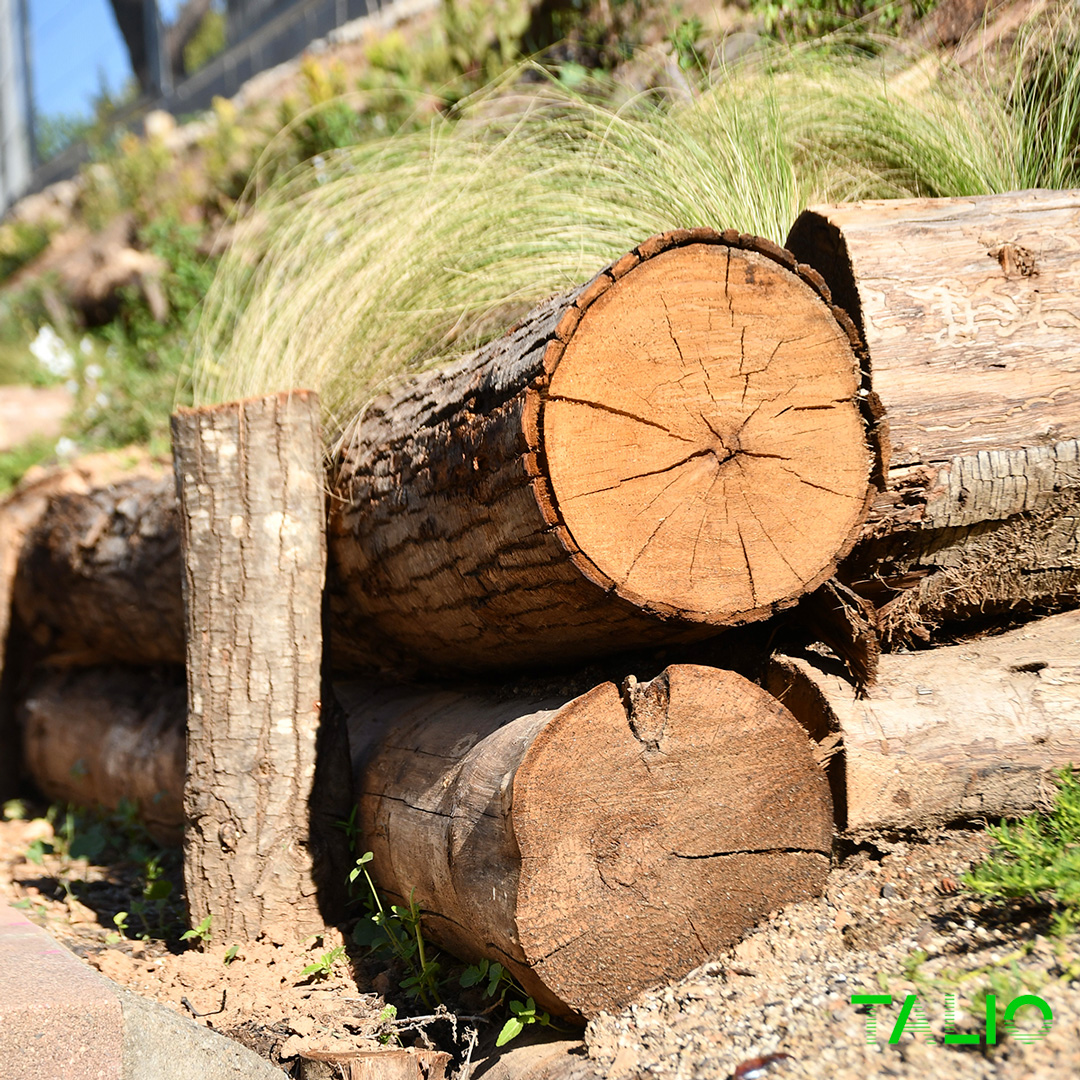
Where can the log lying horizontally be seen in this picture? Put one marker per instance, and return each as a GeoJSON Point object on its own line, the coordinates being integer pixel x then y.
{"type": "Point", "coordinates": [960, 732]}
{"type": "Point", "coordinates": [597, 846]}
{"type": "Point", "coordinates": [100, 577]}
{"type": "Point", "coordinates": [680, 439]}
{"type": "Point", "coordinates": [102, 735]}
{"type": "Point", "coordinates": [970, 315]}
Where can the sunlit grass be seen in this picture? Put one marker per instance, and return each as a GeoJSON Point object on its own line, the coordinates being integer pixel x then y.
{"type": "Point", "coordinates": [396, 254]}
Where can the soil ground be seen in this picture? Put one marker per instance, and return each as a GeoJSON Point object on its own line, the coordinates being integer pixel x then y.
{"type": "Point", "coordinates": [894, 919]}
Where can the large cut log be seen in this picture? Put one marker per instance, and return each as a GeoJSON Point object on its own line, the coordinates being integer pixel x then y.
{"type": "Point", "coordinates": [675, 446]}
{"type": "Point", "coordinates": [959, 732]}
{"type": "Point", "coordinates": [101, 736]}
{"type": "Point", "coordinates": [969, 312]}
{"type": "Point", "coordinates": [252, 516]}
{"type": "Point", "coordinates": [19, 514]}
{"type": "Point", "coordinates": [100, 577]}
{"type": "Point", "coordinates": [596, 846]}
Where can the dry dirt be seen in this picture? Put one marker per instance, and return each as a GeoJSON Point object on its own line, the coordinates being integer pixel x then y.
{"type": "Point", "coordinates": [894, 919]}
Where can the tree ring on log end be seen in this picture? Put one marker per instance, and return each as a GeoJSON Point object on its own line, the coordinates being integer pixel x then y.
{"type": "Point", "coordinates": [680, 818]}
{"type": "Point", "coordinates": [703, 441]}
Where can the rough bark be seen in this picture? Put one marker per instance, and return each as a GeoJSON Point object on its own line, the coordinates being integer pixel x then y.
{"type": "Point", "coordinates": [597, 846]}
{"type": "Point", "coordinates": [675, 446]}
{"type": "Point", "coordinates": [19, 514]}
{"type": "Point", "coordinates": [103, 735]}
{"type": "Point", "coordinates": [100, 576]}
{"type": "Point", "coordinates": [252, 519]}
{"type": "Point", "coordinates": [959, 732]}
{"type": "Point", "coordinates": [968, 309]}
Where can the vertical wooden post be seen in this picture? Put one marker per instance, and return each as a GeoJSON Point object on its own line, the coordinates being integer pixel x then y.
{"type": "Point", "coordinates": [250, 480]}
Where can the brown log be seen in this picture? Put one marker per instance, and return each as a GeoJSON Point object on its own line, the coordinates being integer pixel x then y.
{"type": "Point", "coordinates": [675, 446]}
{"type": "Point", "coordinates": [596, 846]}
{"type": "Point", "coordinates": [959, 732]}
{"type": "Point", "coordinates": [100, 576]}
{"type": "Point", "coordinates": [969, 312]}
{"type": "Point", "coordinates": [19, 514]}
{"type": "Point", "coordinates": [101, 736]}
{"type": "Point", "coordinates": [252, 518]}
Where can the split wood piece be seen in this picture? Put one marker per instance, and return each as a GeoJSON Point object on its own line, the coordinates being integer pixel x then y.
{"type": "Point", "coordinates": [969, 312]}
{"type": "Point", "coordinates": [100, 736]}
{"type": "Point", "coordinates": [100, 576]}
{"type": "Point", "coordinates": [680, 439]}
{"type": "Point", "coordinates": [960, 732]}
{"type": "Point", "coordinates": [252, 515]}
{"type": "Point", "coordinates": [595, 847]}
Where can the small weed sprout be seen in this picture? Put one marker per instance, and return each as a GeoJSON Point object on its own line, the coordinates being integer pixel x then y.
{"type": "Point", "coordinates": [120, 922]}
{"type": "Point", "coordinates": [497, 984]}
{"type": "Point", "coordinates": [230, 954]}
{"type": "Point", "coordinates": [324, 966]}
{"type": "Point", "coordinates": [202, 933]}
{"type": "Point", "coordinates": [397, 929]}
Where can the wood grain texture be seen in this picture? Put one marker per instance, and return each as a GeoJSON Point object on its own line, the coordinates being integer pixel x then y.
{"type": "Point", "coordinates": [596, 846]}
{"type": "Point", "coordinates": [959, 732]}
{"type": "Point", "coordinates": [674, 446]}
{"type": "Point", "coordinates": [98, 736]}
{"type": "Point", "coordinates": [968, 307]}
{"type": "Point", "coordinates": [250, 480]}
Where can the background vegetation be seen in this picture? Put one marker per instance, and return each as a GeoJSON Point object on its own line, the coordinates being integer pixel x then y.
{"type": "Point", "coordinates": [385, 216]}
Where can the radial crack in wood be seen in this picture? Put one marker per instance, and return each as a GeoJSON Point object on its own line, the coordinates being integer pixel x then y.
{"type": "Point", "coordinates": [680, 439]}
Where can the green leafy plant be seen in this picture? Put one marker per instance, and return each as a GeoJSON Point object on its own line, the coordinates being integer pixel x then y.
{"type": "Point", "coordinates": [1038, 858]}
{"type": "Point", "coordinates": [120, 922]}
{"type": "Point", "coordinates": [230, 954]}
{"type": "Point", "coordinates": [397, 929]}
{"type": "Point", "coordinates": [324, 966]}
{"type": "Point", "coordinates": [207, 41]}
{"type": "Point", "coordinates": [20, 242]}
{"type": "Point", "coordinates": [682, 43]}
{"type": "Point", "coordinates": [200, 934]}
{"type": "Point", "coordinates": [497, 984]}
{"type": "Point", "coordinates": [118, 838]}
{"type": "Point", "coordinates": [524, 1013]}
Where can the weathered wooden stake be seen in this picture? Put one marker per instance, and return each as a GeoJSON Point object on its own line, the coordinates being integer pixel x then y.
{"type": "Point", "coordinates": [249, 475]}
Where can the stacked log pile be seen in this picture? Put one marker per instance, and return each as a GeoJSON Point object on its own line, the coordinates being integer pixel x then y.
{"type": "Point", "coordinates": [712, 433]}
{"type": "Point", "coordinates": [972, 337]}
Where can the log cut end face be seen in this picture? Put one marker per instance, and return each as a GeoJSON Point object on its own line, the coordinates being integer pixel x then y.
{"type": "Point", "coordinates": [704, 445]}
{"type": "Point", "coordinates": [679, 818]}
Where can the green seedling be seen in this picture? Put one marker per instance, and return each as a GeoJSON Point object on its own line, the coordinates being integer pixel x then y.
{"type": "Point", "coordinates": [230, 954]}
{"type": "Point", "coordinates": [397, 929]}
{"type": "Point", "coordinates": [324, 966]}
{"type": "Point", "coordinates": [524, 1013]}
{"type": "Point", "coordinates": [201, 933]}
{"type": "Point", "coordinates": [120, 922]}
{"type": "Point", "coordinates": [497, 984]}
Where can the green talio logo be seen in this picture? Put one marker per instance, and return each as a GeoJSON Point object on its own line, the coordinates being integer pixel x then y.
{"type": "Point", "coordinates": [912, 1013]}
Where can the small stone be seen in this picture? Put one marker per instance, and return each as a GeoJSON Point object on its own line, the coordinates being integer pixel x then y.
{"type": "Point", "coordinates": [888, 891]}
